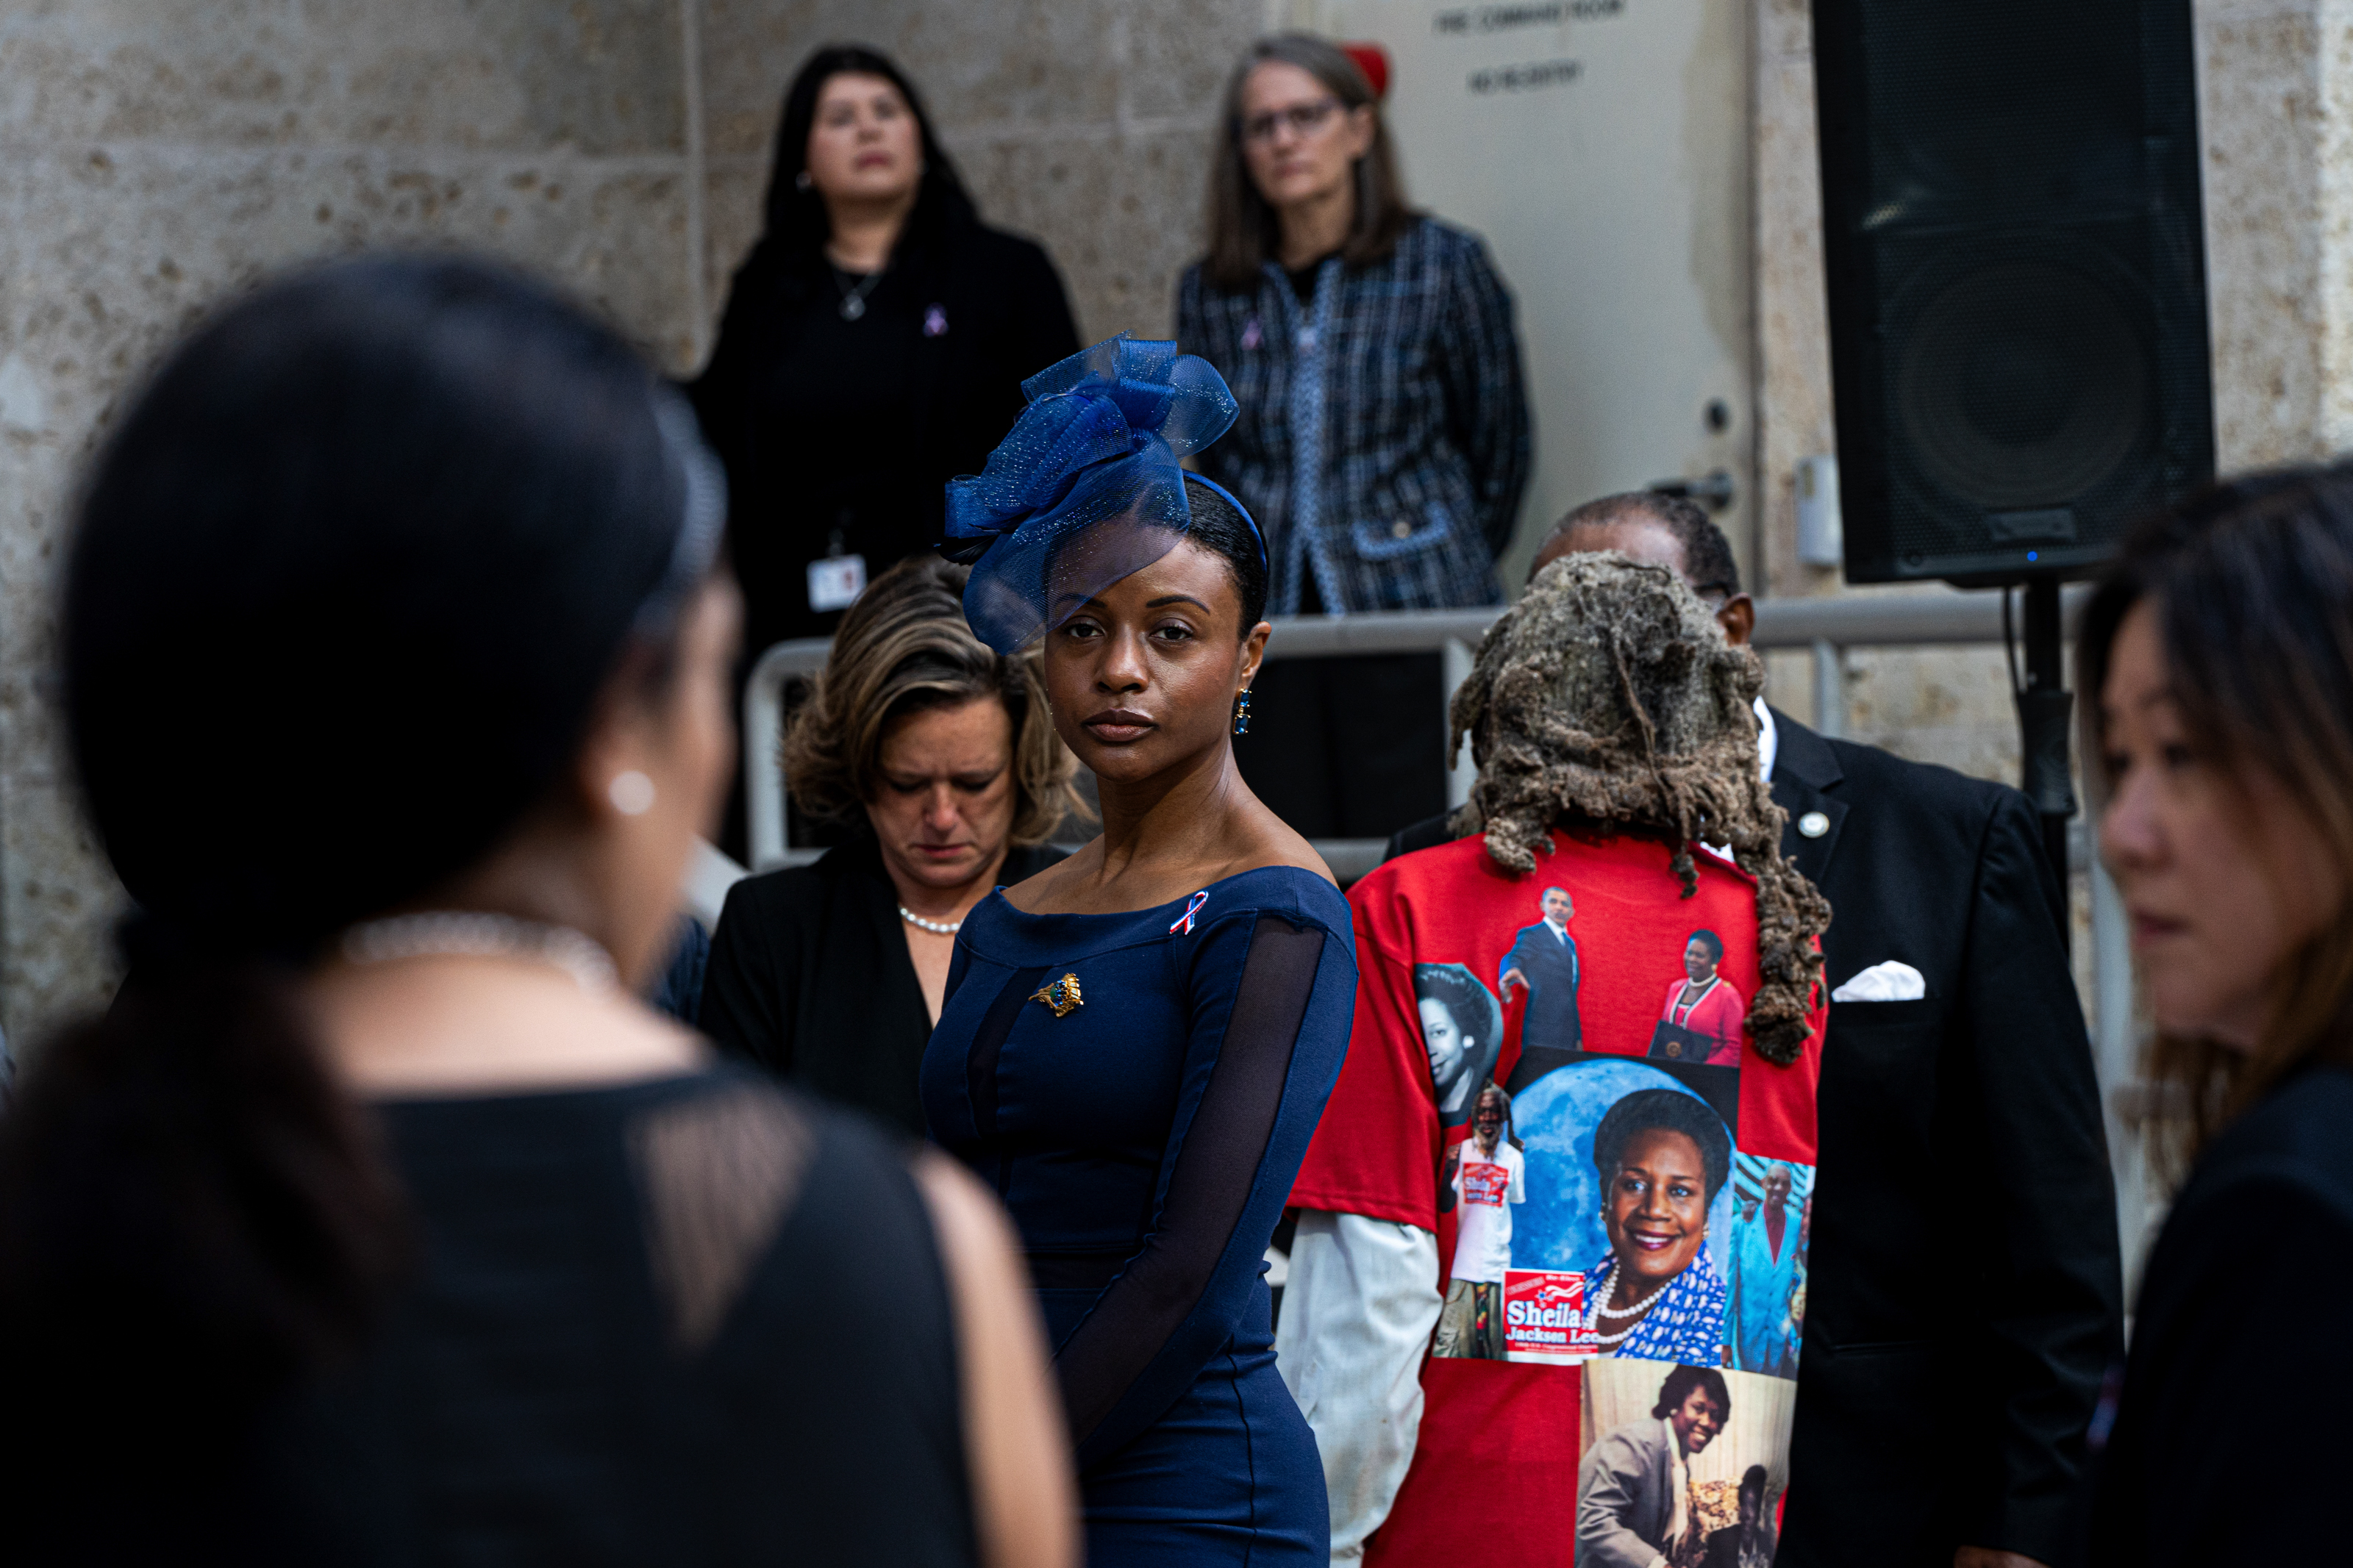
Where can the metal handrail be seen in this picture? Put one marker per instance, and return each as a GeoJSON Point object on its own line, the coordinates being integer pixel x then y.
{"type": "Point", "coordinates": [1828, 627]}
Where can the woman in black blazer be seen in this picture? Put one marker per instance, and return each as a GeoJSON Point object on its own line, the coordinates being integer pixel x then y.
{"type": "Point", "coordinates": [872, 348]}
{"type": "Point", "coordinates": [2218, 649]}
{"type": "Point", "coordinates": [941, 755]}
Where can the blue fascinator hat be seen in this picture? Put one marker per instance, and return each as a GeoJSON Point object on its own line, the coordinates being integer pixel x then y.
{"type": "Point", "coordinates": [1087, 487]}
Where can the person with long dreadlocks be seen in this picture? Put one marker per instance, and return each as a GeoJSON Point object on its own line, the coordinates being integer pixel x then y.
{"type": "Point", "coordinates": [1617, 752]}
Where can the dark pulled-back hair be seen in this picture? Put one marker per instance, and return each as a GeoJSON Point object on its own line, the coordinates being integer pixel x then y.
{"type": "Point", "coordinates": [1678, 1384]}
{"type": "Point", "coordinates": [1708, 939]}
{"type": "Point", "coordinates": [1663, 1111]}
{"type": "Point", "coordinates": [1220, 527]}
{"type": "Point", "coordinates": [797, 223]}
{"type": "Point", "coordinates": [2251, 582]}
{"type": "Point", "coordinates": [350, 578]}
{"type": "Point", "coordinates": [1243, 232]}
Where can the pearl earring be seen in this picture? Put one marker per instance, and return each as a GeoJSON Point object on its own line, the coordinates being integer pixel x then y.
{"type": "Point", "coordinates": [632, 793]}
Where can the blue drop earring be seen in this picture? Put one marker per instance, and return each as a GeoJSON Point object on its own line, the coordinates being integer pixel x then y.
{"type": "Point", "coordinates": [1242, 712]}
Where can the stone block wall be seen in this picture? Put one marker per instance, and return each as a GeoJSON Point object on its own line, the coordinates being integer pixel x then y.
{"type": "Point", "coordinates": [161, 155]}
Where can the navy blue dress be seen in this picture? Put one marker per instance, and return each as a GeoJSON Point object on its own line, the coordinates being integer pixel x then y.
{"type": "Point", "coordinates": [1143, 1123]}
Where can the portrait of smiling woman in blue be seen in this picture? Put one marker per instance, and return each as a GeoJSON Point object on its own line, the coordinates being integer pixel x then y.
{"type": "Point", "coordinates": [1137, 1042]}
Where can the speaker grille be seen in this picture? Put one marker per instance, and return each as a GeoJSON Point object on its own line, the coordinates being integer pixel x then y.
{"type": "Point", "coordinates": [2022, 383]}
{"type": "Point", "coordinates": [2017, 292]}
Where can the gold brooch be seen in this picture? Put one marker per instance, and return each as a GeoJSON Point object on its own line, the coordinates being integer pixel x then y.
{"type": "Point", "coordinates": [1061, 995]}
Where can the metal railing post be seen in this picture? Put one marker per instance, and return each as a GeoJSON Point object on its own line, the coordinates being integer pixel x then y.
{"type": "Point", "coordinates": [1829, 688]}
{"type": "Point", "coordinates": [764, 769]}
{"type": "Point", "coordinates": [1454, 670]}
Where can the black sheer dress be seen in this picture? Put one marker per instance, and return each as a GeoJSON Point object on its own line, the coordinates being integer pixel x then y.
{"type": "Point", "coordinates": [699, 1319]}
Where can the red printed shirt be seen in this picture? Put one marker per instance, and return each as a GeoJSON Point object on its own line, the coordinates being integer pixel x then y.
{"type": "Point", "coordinates": [1646, 1150]}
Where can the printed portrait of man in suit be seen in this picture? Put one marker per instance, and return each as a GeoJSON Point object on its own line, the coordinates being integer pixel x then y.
{"type": "Point", "coordinates": [1543, 961]}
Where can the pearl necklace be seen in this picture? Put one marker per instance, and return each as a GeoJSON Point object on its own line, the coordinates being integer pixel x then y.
{"type": "Point", "coordinates": [1596, 1312]}
{"type": "Point", "coordinates": [472, 933]}
{"type": "Point", "coordinates": [937, 928]}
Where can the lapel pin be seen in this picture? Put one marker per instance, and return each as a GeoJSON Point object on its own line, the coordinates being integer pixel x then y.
{"type": "Point", "coordinates": [1813, 824]}
{"type": "Point", "coordinates": [1061, 995]}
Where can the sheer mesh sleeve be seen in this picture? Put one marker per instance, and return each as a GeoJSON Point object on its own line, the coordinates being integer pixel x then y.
{"type": "Point", "coordinates": [1237, 1141]}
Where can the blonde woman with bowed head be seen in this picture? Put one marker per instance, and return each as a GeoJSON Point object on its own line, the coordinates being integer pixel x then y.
{"type": "Point", "coordinates": [939, 755]}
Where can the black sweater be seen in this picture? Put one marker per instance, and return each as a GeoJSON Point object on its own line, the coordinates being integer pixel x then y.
{"type": "Point", "coordinates": [856, 427]}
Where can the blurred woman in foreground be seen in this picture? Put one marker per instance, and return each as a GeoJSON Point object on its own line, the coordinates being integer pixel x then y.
{"type": "Point", "coordinates": [377, 1222]}
{"type": "Point", "coordinates": [2221, 649]}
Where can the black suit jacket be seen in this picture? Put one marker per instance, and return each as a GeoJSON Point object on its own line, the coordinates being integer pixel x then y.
{"type": "Point", "coordinates": [809, 977]}
{"type": "Point", "coordinates": [1965, 1297]}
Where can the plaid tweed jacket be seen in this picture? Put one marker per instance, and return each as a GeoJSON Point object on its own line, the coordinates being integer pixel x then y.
{"type": "Point", "coordinates": [1383, 442]}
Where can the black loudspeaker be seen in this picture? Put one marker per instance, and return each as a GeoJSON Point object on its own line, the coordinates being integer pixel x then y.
{"type": "Point", "coordinates": [2015, 251]}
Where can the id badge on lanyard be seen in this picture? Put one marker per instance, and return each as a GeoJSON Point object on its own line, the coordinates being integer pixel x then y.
{"type": "Point", "coordinates": [836, 581]}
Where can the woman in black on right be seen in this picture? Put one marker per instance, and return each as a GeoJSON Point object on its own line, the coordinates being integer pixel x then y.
{"type": "Point", "coordinates": [2219, 654]}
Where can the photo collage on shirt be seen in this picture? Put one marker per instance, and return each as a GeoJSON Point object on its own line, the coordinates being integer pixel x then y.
{"type": "Point", "coordinates": [1604, 1218]}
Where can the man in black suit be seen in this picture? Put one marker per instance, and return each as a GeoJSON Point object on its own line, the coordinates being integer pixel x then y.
{"type": "Point", "coordinates": [1544, 961]}
{"type": "Point", "coordinates": [1965, 1296]}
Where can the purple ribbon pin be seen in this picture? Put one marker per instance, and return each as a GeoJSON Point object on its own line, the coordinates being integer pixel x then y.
{"type": "Point", "coordinates": [935, 322]}
{"type": "Point", "coordinates": [1183, 923]}
{"type": "Point", "coordinates": [1251, 335]}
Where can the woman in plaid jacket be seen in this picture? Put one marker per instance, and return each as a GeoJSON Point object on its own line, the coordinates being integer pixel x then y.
{"type": "Point", "coordinates": [1383, 442]}
{"type": "Point", "coordinates": [1384, 437]}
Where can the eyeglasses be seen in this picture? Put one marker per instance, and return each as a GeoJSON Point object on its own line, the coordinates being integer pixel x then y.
{"type": "Point", "coordinates": [1303, 118]}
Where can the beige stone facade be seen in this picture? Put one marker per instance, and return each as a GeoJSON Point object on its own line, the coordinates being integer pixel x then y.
{"type": "Point", "coordinates": [162, 153]}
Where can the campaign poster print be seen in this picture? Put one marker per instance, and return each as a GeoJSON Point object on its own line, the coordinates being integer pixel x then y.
{"type": "Point", "coordinates": [1628, 1175]}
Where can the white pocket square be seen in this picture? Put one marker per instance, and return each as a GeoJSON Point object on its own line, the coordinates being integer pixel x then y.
{"type": "Point", "coordinates": [1894, 981]}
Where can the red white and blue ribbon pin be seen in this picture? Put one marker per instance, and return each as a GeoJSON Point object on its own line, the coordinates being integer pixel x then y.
{"type": "Point", "coordinates": [1183, 923]}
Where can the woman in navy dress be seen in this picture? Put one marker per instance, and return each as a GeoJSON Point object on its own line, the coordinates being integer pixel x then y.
{"type": "Point", "coordinates": [1137, 1042]}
